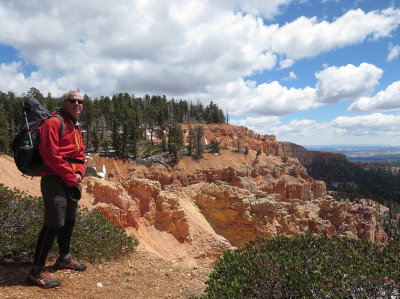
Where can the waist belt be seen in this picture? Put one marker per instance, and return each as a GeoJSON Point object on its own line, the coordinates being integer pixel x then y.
{"type": "Point", "coordinates": [72, 160]}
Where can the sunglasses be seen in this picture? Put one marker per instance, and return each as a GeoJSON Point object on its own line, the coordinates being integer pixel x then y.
{"type": "Point", "coordinates": [73, 101]}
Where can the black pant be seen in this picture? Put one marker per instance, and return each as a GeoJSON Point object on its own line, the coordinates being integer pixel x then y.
{"type": "Point", "coordinates": [59, 219]}
{"type": "Point", "coordinates": [57, 206]}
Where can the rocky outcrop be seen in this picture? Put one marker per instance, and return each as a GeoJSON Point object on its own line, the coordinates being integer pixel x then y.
{"type": "Point", "coordinates": [196, 209]}
{"type": "Point", "coordinates": [267, 173]}
{"type": "Point", "coordinates": [144, 209]}
{"type": "Point", "coordinates": [202, 207]}
{"type": "Point", "coordinates": [240, 216]}
{"type": "Point", "coordinates": [206, 218]}
{"type": "Point", "coordinates": [114, 201]}
{"type": "Point", "coordinates": [239, 137]}
{"type": "Point", "coordinates": [159, 208]}
{"type": "Point", "coordinates": [306, 157]}
{"type": "Point", "coordinates": [139, 202]}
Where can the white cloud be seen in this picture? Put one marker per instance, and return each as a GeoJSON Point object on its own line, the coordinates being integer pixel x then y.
{"type": "Point", "coordinates": [292, 75]}
{"type": "Point", "coordinates": [178, 48]}
{"type": "Point", "coordinates": [306, 37]}
{"type": "Point", "coordinates": [140, 46]}
{"type": "Point", "coordinates": [264, 99]}
{"type": "Point", "coordinates": [394, 51]}
{"type": "Point", "coordinates": [303, 131]}
{"type": "Point", "coordinates": [286, 63]}
{"type": "Point", "coordinates": [13, 79]}
{"type": "Point", "coordinates": [266, 9]}
{"type": "Point", "coordinates": [261, 125]}
{"type": "Point", "coordinates": [379, 123]}
{"type": "Point", "coordinates": [335, 84]}
{"type": "Point", "coordinates": [385, 100]}
{"type": "Point", "coordinates": [298, 127]}
{"type": "Point", "coordinates": [375, 128]}
{"type": "Point", "coordinates": [273, 99]}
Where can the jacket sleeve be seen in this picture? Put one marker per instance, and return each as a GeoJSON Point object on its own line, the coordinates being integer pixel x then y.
{"type": "Point", "coordinates": [49, 133]}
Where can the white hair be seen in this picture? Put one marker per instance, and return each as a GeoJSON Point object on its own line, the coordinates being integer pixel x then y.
{"type": "Point", "coordinates": [69, 92]}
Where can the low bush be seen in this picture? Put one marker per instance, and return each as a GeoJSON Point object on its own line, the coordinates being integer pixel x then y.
{"type": "Point", "coordinates": [307, 267]}
{"type": "Point", "coordinates": [214, 145]}
{"type": "Point", "coordinates": [21, 216]}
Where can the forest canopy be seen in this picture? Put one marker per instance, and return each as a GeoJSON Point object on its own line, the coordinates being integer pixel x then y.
{"type": "Point", "coordinates": [117, 123]}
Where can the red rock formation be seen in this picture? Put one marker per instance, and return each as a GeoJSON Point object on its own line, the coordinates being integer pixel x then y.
{"type": "Point", "coordinates": [306, 157]}
{"type": "Point", "coordinates": [231, 136]}
{"type": "Point", "coordinates": [207, 206]}
{"type": "Point", "coordinates": [240, 216]}
{"type": "Point", "coordinates": [196, 207]}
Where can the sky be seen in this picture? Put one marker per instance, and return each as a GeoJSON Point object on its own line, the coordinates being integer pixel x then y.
{"type": "Point", "coordinates": [309, 72]}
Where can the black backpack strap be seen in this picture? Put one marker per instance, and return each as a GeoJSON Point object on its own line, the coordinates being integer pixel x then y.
{"type": "Point", "coordinates": [62, 127]}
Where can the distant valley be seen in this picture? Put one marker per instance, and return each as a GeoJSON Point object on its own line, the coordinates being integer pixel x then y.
{"type": "Point", "coordinates": [362, 153]}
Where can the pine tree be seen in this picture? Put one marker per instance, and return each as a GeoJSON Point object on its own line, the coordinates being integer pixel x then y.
{"type": "Point", "coordinates": [191, 140]}
{"type": "Point", "coordinates": [163, 129]}
{"type": "Point", "coordinates": [175, 141]}
{"type": "Point", "coordinates": [4, 140]}
{"type": "Point", "coordinates": [198, 133]}
{"type": "Point", "coordinates": [86, 118]}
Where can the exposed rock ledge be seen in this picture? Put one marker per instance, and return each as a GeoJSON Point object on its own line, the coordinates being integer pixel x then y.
{"type": "Point", "coordinates": [194, 211]}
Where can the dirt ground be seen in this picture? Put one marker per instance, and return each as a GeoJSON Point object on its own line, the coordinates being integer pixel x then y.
{"type": "Point", "coordinates": [140, 275]}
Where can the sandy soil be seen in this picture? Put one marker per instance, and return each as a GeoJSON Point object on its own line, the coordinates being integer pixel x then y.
{"type": "Point", "coordinates": [141, 275]}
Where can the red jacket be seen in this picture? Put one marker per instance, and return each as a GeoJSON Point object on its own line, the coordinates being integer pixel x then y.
{"type": "Point", "coordinates": [53, 149]}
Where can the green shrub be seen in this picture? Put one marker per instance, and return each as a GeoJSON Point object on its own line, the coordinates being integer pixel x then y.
{"type": "Point", "coordinates": [307, 267]}
{"type": "Point", "coordinates": [215, 145]}
{"type": "Point", "coordinates": [173, 152]}
{"type": "Point", "coordinates": [21, 216]}
{"type": "Point", "coordinates": [152, 150]}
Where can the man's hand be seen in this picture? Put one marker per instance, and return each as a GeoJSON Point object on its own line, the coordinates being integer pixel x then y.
{"type": "Point", "coordinates": [78, 177]}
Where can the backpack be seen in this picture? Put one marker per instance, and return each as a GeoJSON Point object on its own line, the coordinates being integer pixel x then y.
{"type": "Point", "coordinates": [26, 140]}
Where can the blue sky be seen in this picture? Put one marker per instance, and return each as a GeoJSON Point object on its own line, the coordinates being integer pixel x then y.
{"type": "Point", "coordinates": [308, 72]}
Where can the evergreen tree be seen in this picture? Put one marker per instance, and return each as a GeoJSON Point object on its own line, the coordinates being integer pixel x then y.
{"type": "Point", "coordinates": [51, 103]}
{"type": "Point", "coordinates": [118, 123]}
{"type": "Point", "coordinates": [35, 93]}
{"type": "Point", "coordinates": [4, 138]}
{"type": "Point", "coordinates": [198, 136]}
{"type": "Point", "coordinates": [175, 141]}
{"type": "Point", "coordinates": [191, 140]}
{"type": "Point", "coordinates": [86, 119]}
{"type": "Point", "coordinates": [163, 128]}
{"type": "Point", "coordinates": [175, 135]}
{"type": "Point", "coordinates": [95, 140]}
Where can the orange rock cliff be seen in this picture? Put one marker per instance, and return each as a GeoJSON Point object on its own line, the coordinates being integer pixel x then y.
{"type": "Point", "coordinates": [194, 210]}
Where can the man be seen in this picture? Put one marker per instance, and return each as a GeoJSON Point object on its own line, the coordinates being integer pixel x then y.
{"type": "Point", "coordinates": [64, 157]}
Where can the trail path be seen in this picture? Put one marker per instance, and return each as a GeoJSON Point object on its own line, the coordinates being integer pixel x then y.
{"type": "Point", "coordinates": [141, 275]}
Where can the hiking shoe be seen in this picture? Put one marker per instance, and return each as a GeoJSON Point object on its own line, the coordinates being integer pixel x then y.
{"type": "Point", "coordinates": [44, 279]}
{"type": "Point", "coordinates": [70, 264]}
